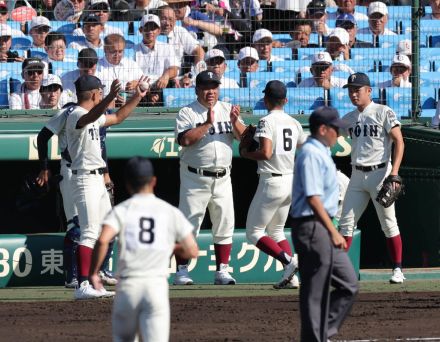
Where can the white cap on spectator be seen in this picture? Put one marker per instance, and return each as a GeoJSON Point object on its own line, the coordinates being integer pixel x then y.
{"type": "Point", "coordinates": [39, 21]}
{"type": "Point", "coordinates": [150, 18]}
{"type": "Point", "coordinates": [341, 34]}
{"type": "Point", "coordinates": [322, 57]}
{"type": "Point", "coordinates": [377, 7]}
{"type": "Point", "coordinates": [214, 53]}
{"type": "Point", "coordinates": [248, 52]}
{"type": "Point", "coordinates": [51, 79]}
{"type": "Point", "coordinates": [404, 47]}
{"type": "Point", "coordinates": [401, 60]}
{"type": "Point", "coordinates": [95, 2]}
{"type": "Point", "coordinates": [260, 34]}
{"type": "Point", "coordinates": [5, 30]}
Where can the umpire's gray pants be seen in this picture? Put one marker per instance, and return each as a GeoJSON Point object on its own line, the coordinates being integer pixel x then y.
{"type": "Point", "coordinates": [321, 265]}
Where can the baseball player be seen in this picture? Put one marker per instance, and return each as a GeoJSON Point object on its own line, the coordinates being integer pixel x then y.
{"type": "Point", "coordinates": [87, 183]}
{"type": "Point", "coordinates": [148, 229]}
{"type": "Point", "coordinates": [322, 260]}
{"type": "Point", "coordinates": [205, 129]}
{"type": "Point", "coordinates": [373, 130]}
{"type": "Point", "coordinates": [278, 135]}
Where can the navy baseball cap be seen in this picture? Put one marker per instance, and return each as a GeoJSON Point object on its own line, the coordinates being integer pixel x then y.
{"type": "Point", "coordinates": [328, 116]}
{"type": "Point", "coordinates": [275, 89]}
{"type": "Point", "coordinates": [138, 171]}
{"type": "Point", "coordinates": [92, 19]}
{"type": "Point", "coordinates": [345, 20]}
{"type": "Point", "coordinates": [316, 7]}
{"type": "Point", "coordinates": [88, 82]}
{"type": "Point", "coordinates": [32, 64]}
{"type": "Point", "coordinates": [206, 77]}
{"type": "Point", "coordinates": [358, 79]}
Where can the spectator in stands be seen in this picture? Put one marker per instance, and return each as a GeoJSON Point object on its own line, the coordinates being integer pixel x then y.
{"type": "Point", "coordinates": [38, 30]}
{"type": "Point", "coordinates": [301, 32]}
{"type": "Point", "coordinates": [28, 95]}
{"type": "Point", "coordinates": [216, 62]}
{"type": "Point", "coordinates": [247, 62]}
{"type": "Point", "coordinates": [347, 7]}
{"type": "Point", "coordinates": [156, 59]}
{"type": "Point", "coordinates": [400, 71]}
{"type": "Point", "coordinates": [337, 44]}
{"type": "Point", "coordinates": [316, 12]}
{"type": "Point", "coordinates": [87, 63]}
{"type": "Point", "coordinates": [115, 66]}
{"type": "Point", "coordinates": [404, 47]}
{"type": "Point", "coordinates": [4, 16]}
{"type": "Point", "coordinates": [93, 28]}
{"type": "Point", "coordinates": [6, 55]}
{"type": "Point", "coordinates": [262, 42]}
{"type": "Point", "coordinates": [377, 20]}
{"type": "Point", "coordinates": [185, 81]}
{"type": "Point", "coordinates": [101, 9]}
{"type": "Point", "coordinates": [46, 8]}
{"type": "Point", "coordinates": [78, 6]}
{"type": "Point", "coordinates": [185, 45]}
{"type": "Point", "coordinates": [348, 22]}
{"type": "Point", "coordinates": [322, 69]}
{"type": "Point", "coordinates": [435, 10]}
{"type": "Point", "coordinates": [139, 8]}
{"type": "Point", "coordinates": [55, 46]}
{"type": "Point", "coordinates": [51, 90]}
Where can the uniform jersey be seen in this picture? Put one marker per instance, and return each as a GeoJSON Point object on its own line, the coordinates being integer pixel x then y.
{"type": "Point", "coordinates": [369, 131]}
{"type": "Point", "coordinates": [285, 133]}
{"type": "Point", "coordinates": [148, 228]}
{"type": "Point", "coordinates": [214, 150]}
{"type": "Point", "coordinates": [84, 144]}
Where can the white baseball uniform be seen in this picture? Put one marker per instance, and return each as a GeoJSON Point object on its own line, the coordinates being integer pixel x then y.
{"type": "Point", "coordinates": [210, 155]}
{"type": "Point", "coordinates": [57, 125]}
{"type": "Point", "coordinates": [371, 160]}
{"type": "Point", "coordinates": [270, 206]}
{"type": "Point", "coordinates": [148, 228]}
{"type": "Point", "coordinates": [343, 181]}
{"type": "Point", "coordinates": [88, 188]}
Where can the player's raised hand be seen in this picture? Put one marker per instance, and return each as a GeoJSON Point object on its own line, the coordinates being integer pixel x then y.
{"type": "Point", "coordinates": [115, 88]}
{"type": "Point", "coordinates": [143, 86]}
{"type": "Point", "coordinates": [235, 113]}
{"type": "Point", "coordinates": [210, 116]}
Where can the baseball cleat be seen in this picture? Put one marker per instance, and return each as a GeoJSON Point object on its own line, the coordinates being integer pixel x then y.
{"type": "Point", "coordinates": [222, 277]}
{"type": "Point", "coordinates": [106, 294]}
{"type": "Point", "coordinates": [289, 272]}
{"type": "Point", "coordinates": [108, 278]}
{"type": "Point", "coordinates": [397, 277]}
{"type": "Point", "coordinates": [73, 284]}
{"type": "Point", "coordinates": [292, 284]}
{"type": "Point", "coordinates": [182, 276]}
{"type": "Point", "coordinates": [86, 291]}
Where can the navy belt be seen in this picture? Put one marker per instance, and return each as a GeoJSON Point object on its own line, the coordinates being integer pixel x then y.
{"type": "Point", "coordinates": [370, 168]}
{"type": "Point", "coordinates": [207, 173]}
{"type": "Point", "coordinates": [276, 174]}
{"type": "Point", "coordinates": [92, 172]}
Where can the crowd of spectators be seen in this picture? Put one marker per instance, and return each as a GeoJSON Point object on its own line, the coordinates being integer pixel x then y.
{"type": "Point", "coordinates": [172, 41]}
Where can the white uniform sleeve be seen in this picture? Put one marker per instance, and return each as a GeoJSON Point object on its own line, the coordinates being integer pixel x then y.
{"type": "Point", "coordinates": [189, 42]}
{"type": "Point", "coordinates": [57, 122]}
{"type": "Point", "coordinates": [15, 101]}
{"type": "Point", "coordinates": [101, 120]}
{"type": "Point", "coordinates": [302, 137]}
{"type": "Point", "coordinates": [184, 121]}
{"type": "Point", "coordinates": [264, 130]}
{"type": "Point", "coordinates": [390, 119]}
{"type": "Point", "coordinates": [113, 219]}
{"type": "Point", "coordinates": [182, 225]}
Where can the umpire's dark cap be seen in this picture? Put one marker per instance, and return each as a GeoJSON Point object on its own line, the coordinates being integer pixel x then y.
{"type": "Point", "coordinates": [328, 116]}
{"type": "Point", "coordinates": [138, 171]}
{"type": "Point", "coordinates": [275, 89]}
{"type": "Point", "coordinates": [358, 79]}
{"type": "Point", "coordinates": [88, 82]}
{"type": "Point", "coordinates": [88, 57]}
{"type": "Point", "coordinates": [206, 77]}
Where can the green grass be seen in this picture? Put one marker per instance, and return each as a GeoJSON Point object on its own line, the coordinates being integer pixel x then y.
{"type": "Point", "coordinates": [58, 293]}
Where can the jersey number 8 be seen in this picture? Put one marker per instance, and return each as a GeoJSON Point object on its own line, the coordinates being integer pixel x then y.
{"type": "Point", "coordinates": [146, 233]}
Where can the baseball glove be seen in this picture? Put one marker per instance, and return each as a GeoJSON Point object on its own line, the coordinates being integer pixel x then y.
{"type": "Point", "coordinates": [247, 141]}
{"type": "Point", "coordinates": [387, 194]}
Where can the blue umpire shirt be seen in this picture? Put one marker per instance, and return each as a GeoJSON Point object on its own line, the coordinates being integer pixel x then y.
{"type": "Point", "coordinates": [315, 175]}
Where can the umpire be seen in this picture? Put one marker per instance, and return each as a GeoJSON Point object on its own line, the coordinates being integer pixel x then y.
{"type": "Point", "coordinates": [322, 259]}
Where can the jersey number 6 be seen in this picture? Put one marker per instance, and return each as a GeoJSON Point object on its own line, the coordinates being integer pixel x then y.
{"type": "Point", "coordinates": [287, 139]}
{"type": "Point", "coordinates": [146, 234]}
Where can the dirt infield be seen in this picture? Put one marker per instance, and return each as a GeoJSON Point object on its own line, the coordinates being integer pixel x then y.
{"type": "Point", "coordinates": [382, 316]}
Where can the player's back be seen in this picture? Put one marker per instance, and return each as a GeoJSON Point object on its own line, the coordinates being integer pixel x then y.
{"type": "Point", "coordinates": [148, 228]}
{"type": "Point", "coordinates": [285, 133]}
